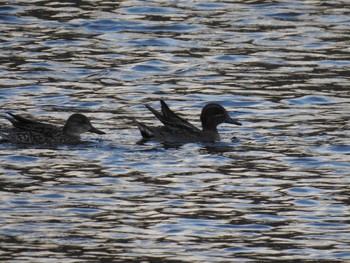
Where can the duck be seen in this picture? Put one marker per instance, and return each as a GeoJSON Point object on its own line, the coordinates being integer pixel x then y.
{"type": "Point", "coordinates": [175, 129]}
{"type": "Point", "coordinates": [28, 131]}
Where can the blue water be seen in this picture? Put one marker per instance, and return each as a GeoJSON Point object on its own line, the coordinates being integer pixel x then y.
{"type": "Point", "coordinates": [274, 189]}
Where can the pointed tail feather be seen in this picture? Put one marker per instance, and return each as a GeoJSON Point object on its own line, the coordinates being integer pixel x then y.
{"type": "Point", "coordinates": [167, 112]}
{"type": "Point", "coordinates": [19, 119]}
{"type": "Point", "coordinates": [145, 131]}
{"type": "Point", "coordinates": [155, 112]}
{"type": "Point", "coordinates": [167, 116]}
{"type": "Point", "coordinates": [11, 119]}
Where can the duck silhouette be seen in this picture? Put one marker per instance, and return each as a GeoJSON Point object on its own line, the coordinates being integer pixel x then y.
{"type": "Point", "coordinates": [179, 130]}
{"type": "Point", "coordinates": [27, 131]}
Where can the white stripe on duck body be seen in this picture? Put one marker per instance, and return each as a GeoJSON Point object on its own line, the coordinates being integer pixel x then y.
{"type": "Point", "coordinates": [179, 130]}
{"type": "Point", "coordinates": [28, 131]}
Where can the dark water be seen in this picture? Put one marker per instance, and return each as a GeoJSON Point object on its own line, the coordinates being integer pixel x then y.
{"type": "Point", "coordinates": [280, 193]}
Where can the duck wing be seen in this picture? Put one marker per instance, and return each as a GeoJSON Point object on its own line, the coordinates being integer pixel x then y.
{"type": "Point", "coordinates": [22, 137]}
{"type": "Point", "coordinates": [171, 120]}
{"type": "Point", "coordinates": [25, 124]}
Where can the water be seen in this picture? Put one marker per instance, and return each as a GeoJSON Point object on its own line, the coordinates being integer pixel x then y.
{"type": "Point", "coordinates": [278, 193]}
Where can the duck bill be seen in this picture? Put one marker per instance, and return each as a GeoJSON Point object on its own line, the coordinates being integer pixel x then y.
{"type": "Point", "coordinates": [233, 121]}
{"type": "Point", "coordinates": [94, 130]}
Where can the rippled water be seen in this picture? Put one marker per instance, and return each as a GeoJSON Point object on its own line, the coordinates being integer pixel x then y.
{"type": "Point", "coordinates": [278, 193]}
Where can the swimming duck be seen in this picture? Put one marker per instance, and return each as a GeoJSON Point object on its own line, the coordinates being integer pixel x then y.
{"type": "Point", "coordinates": [28, 131]}
{"type": "Point", "coordinates": [178, 130]}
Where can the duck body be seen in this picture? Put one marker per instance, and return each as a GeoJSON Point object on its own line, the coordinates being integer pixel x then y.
{"type": "Point", "coordinates": [179, 130]}
{"type": "Point", "coordinates": [27, 131]}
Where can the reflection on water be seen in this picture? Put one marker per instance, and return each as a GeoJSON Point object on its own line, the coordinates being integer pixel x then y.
{"type": "Point", "coordinates": [278, 192]}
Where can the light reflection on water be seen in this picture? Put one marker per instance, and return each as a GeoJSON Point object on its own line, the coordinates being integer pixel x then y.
{"type": "Point", "coordinates": [277, 192]}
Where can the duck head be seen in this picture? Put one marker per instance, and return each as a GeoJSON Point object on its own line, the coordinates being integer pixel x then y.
{"type": "Point", "coordinates": [78, 124]}
{"type": "Point", "coordinates": [214, 114]}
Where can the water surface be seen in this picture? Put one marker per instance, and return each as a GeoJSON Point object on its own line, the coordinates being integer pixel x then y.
{"type": "Point", "coordinates": [279, 192]}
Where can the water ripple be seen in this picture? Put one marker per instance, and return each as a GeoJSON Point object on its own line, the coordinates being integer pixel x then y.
{"type": "Point", "coordinates": [274, 189]}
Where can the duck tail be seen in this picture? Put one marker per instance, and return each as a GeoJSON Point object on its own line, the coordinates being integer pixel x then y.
{"type": "Point", "coordinates": [145, 131]}
{"type": "Point", "coordinates": [155, 112]}
{"type": "Point", "coordinates": [11, 118]}
{"type": "Point", "coordinates": [166, 111]}
{"type": "Point", "coordinates": [17, 119]}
